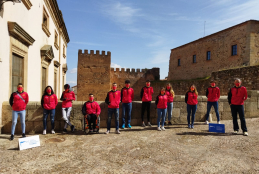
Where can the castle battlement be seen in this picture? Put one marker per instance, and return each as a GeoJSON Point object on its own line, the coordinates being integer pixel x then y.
{"type": "Point", "coordinates": [80, 52]}
{"type": "Point", "coordinates": [130, 70]}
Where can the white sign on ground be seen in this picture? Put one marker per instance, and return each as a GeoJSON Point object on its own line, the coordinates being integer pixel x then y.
{"type": "Point", "coordinates": [29, 142]}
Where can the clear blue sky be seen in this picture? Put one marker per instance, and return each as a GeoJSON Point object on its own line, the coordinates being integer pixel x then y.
{"type": "Point", "coordinates": [140, 33]}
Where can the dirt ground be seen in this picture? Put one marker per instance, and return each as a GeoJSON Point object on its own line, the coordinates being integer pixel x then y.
{"type": "Point", "coordinates": [138, 150]}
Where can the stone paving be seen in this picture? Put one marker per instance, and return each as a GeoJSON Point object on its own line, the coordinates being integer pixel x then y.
{"type": "Point", "coordinates": [138, 150]}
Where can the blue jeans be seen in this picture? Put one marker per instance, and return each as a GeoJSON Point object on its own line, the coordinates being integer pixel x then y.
{"type": "Point", "coordinates": [161, 113]}
{"type": "Point", "coordinates": [216, 107]}
{"type": "Point", "coordinates": [169, 110]}
{"type": "Point", "coordinates": [191, 109]}
{"type": "Point", "coordinates": [116, 114]}
{"type": "Point", "coordinates": [52, 118]}
{"type": "Point", "coordinates": [14, 120]}
{"type": "Point", "coordinates": [126, 107]}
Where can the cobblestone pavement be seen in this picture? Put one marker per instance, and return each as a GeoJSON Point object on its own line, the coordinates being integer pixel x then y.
{"type": "Point", "coordinates": [138, 150]}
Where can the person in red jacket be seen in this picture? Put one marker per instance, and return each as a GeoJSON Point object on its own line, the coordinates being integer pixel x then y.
{"type": "Point", "coordinates": [49, 102]}
{"type": "Point", "coordinates": [113, 100]}
{"type": "Point", "coordinates": [127, 96]}
{"type": "Point", "coordinates": [170, 98]}
{"type": "Point", "coordinates": [67, 97]}
{"type": "Point", "coordinates": [91, 110]}
{"type": "Point", "coordinates": [213, 94]}
{"type": "Point", "coordinates": [146, 97]}
{"type": "Point", "coordinates": [191, 100]}
{"type": "Point", "coordinates": [161, 104]}
{"type": "Point", "coordinates": [236, 97]}
{"type": "Point", "coordinates": [18, 100]}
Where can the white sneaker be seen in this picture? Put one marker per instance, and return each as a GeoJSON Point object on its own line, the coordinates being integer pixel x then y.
{"type": "Point", "coordinates": [245, 134]}
{"type": "Point", "coordinates": [163, 128]}
{"type": "Point", "coordinates": [117, 131]}
{"type": "Point", "coordinates": [158, 128]}
{"type": "Point", "coordinates": [107, 132]}
{"type": "Point", "coordinates": [218, 122]}
{"type": "Point", "coordinates": [52, 131]}
{"type": "Point", "coordinates": [206, 122]}
{"type": "Point", "coordinates": [149, 124]}
{"type": "Point", "coordinates": [235, 132]}
{"type": "Point", "coordinates": [44, 132]}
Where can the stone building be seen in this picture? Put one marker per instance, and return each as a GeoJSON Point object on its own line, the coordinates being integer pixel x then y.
{"type": "Point", "coordinates": [233, 47]}
{"type": "Point", "coordinates": [33, 43]}
{"type": "Point", "coordinates": [95, 75]}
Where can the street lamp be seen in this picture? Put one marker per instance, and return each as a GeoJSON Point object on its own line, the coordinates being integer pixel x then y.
{"type": "Point", "coordinates": [3, 1]}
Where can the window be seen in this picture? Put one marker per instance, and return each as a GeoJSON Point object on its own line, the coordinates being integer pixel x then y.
{"type": "Point", "coordinates": [194, 58]}
{"type": "Point", "coordinates": [234, 50]}
{"type": "Point", "coordinates": [55, 82]}
{"type": "Point", "coordinates": [64, 51]}
{"type": "Point", "coordinates": [17, 71]}
{"type": "Point", "coordinates": [56, 40]}
{"type": "Point", "coordinates": [45, 22]}
{"type": "Point", "coordinates": [44, 79]}
{"type": "Point", "coordinates": [208, 55]}
{"type": "Point", "coordinates": [179, 62]}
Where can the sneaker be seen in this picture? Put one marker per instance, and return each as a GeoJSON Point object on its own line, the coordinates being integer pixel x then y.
{"type": "Point", "coordinates": [163, 128]}
{"type": "Point", "coordinates": [158, 128]}
{"type": "Point", "coordinates": [165, 123]}
{"type": "Point", "coordinates": [91, 130]}
{"type": "Point", "coordinates": [189, 126]}
{"type": "Point", "coordinates": [169, 123]}
{"type": "Point", "coordinates": [235, 132]}
{"type": "Point", "coordinates": [218, 122]}
{"type": "Point", "coordinates": [192, 127]}
{"type": "Point", "coordinates": [123, 126]}
{"type": "Point", "coordinates": [129, 126]}
{"type": "Point", "coordinates": [12, 137]}
{"type": "Point", "coordinates": [143, 124]}
{"type": "Point", "coordinates": [149, 124]}
{"type": "Point", "coordinates": [72, 128]}
{"type": "Point", "coordinates": [23, 135]}
{"type": "Point", "coordinates": [245, 134]}
{"type": "Point", "coordinates": [44, 132]}
{"type": "Point", "coordinates": [64, 130]}
{"type": "Point", "coordinates": [206, 122]}
{"type": "Point", "coordinates": [117, 131]}
{"type": "Point", "coordinates": [52, 131]}
{"type": "Point", "coordinates": [107, 132]}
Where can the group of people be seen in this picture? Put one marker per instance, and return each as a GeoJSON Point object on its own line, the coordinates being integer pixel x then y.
{"type": "Point", "coordinates": [164, 105]}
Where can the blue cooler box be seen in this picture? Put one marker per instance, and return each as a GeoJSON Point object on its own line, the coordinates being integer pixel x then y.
{"type": "Point", "coordinates": [220, 128]}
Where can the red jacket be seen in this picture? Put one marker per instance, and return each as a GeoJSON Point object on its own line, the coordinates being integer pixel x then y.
{"type": "Point", "coordinates": [191, 98]}
{"type": "Point", "coordinates": [127, 95]}
{"type": "Point", "coordinates": [237, 95]}
{"type": "Point", "coordinates": [113, 99]}
{"type": "Point", "coordinates": [91, 108]}
{"type": "Point", "coordinates": [170, 97]}
{"type": "Point", "coordinates": [17, 103]}
{"type": "Point", "coordinates": [49, 102]}
{"type": "Point", "coordinates": [146, 94]}
{"type": "Point", "coordinates": [213, 94]}
{"type": "Point", "coordinates": [67, 98]}
{"type": "Point", "coordinates": [161, 101]}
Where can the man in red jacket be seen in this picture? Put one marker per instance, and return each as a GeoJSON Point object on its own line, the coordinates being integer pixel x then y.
{"type": "Point", "coordinates": [127, 95]}
{"type": "Point", "coordinates": [213, 94]}
{"type": "Point", "coordinates": [91, 110]}
{"type": "Point", "coordinates": [236, 97]}
{"type": "Point", "coordinates": [113, 100]}
{"type": "Point", "coordinates": [67, 98]}
{"type": "Point", "coordinates": [146, 97]}
{"type": "Point", "coordinates": [18, 100]}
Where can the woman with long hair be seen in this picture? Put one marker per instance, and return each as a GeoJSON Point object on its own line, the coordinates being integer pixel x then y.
{"type": "Point", "coordinates": [170, 98]}
{"type": "Point", "coordinates": [161, 104]}
{"type": "Point", "coordinates": [191, 100]}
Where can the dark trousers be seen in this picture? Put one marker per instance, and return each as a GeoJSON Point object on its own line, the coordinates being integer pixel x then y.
{"type": "Point", "coordinates": [91, 118]}
{"type": "Point", "coordinates": [145, 106]}
{"type": "Point", "coordinates": [240, 110]}
{"type": "Point", "coordinates": [191, 110]}
{"type": "Point", "coordinates": [216, 107]}
{"type": "Point", "coordinates": [46, 113]}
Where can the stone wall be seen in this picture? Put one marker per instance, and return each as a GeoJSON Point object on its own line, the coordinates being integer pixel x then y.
{"type": "Point", "coordinates": [93, 74]}
{"type": "Point", "coordinates": [34, 113]}
{"type": "Point", "coordinates": [244, 35]}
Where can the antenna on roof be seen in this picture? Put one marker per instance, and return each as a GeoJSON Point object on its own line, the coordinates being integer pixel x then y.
{"type": "Point", "coordinates": [204, 28]}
